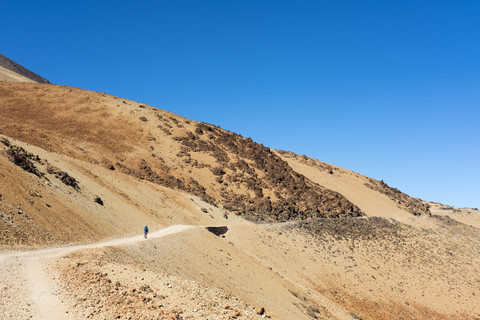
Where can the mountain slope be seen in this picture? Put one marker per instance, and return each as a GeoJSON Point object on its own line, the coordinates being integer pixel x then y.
{"type": "Point", "coordinates": [220, 167]}
{"type": "Point", "coordinates": [375, 198]}
{"type": "Point", "coordinates": [10, 76]}
{"type": "Point", "coordinates": [47, 198]}
{"type": "Point", "coordinates": [12, 71]}
{"type": "Point", "coordinates": [81, 166]}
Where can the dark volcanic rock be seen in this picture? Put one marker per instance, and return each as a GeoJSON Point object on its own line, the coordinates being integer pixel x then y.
{"type": "Point", "coordinates": [67, 180]}
{"type": "Point", "coordinates": [98, 200]}
{"type": "Point", "coordinates": [246, 164]}
{"type": "Point", "coordinates": [415, 206]}
{"type": "Point", "coordinates": [218, 231]}
{"type": "Point", "coordinates": [5, 142]}
{"type": "Point", "coordinates": [23, 159]}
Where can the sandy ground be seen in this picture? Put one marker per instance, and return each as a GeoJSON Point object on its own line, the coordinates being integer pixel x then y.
{"type": "Point", "coordinates": [372, 265]}
{"type": "Point", "coordinates": [8, 75]}
{"type": "Point", "coordinates": [371, 268]}
{"type": "Point", "coordinates": [32, 292]}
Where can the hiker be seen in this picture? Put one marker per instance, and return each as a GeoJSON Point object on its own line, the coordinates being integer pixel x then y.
{"type": "Point", "coordinates": [145, 231]}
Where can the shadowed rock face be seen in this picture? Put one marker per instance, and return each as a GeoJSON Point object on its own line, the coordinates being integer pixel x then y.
{"type": "Point", "coordinates": [15, 67]}
{"type": "Point", "coordinates": [218, 231]}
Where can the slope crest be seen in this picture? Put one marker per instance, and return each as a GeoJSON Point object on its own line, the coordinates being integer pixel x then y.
{"type": "Point", "coordinates": [359, 187]}
{"type": "Point", "coordinates": [15, 67]}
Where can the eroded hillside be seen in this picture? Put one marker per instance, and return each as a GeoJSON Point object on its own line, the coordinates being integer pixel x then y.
{"type": "Point", "coordinates": [220, 167]}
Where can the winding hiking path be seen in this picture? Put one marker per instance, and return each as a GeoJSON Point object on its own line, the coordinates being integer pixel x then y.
{"type": "Point", "coordinates": [27, 290]}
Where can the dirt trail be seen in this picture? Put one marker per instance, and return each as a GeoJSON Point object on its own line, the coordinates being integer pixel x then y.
{"type": "Point", "coordinates": [27, 288]}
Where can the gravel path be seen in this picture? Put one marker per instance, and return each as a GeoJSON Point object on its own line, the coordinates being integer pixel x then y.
{"type": "Point", "coordinates": [27, 289]}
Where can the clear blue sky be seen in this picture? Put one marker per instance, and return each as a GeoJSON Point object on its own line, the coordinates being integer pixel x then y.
{"type": "Point", "coordinates": [390, 89]}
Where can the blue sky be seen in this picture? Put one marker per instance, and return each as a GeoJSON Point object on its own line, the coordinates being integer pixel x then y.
{"type": "Point", "coordinates": [389, 89]}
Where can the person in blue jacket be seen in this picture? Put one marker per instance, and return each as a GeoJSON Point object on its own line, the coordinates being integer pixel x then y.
{"type": "Point", "coordinates": [145, 231]}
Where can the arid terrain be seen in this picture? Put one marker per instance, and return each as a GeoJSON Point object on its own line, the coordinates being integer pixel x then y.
{"type": "Point", "coordinates": [238, 230]}
{"type": "Point", "coordinates": [12, 71]}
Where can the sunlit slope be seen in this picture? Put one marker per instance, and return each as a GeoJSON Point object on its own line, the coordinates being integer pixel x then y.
{"type": "Point", "coordinates": [48, 198]}
{"type": "Point", "coordinates": [10, 76]}
{"type": "Point", "coordinates": [12, 71]}
{"type": "Point", "coordinates": [373, 197]}
{"type": "Point", "coordinates": [220, 167]}
{"type": "Point", "coordinates": [79, 166]}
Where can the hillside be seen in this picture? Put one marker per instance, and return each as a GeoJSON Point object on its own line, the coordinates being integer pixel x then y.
{"type": "Point", "coordinates": [299, 238]}
{"type": "Point", "coordinates": [12, 71]}
{"type": "Point", "coordinates": [373, 197]}
{"type": "Point", "coordinates": [218, 166]}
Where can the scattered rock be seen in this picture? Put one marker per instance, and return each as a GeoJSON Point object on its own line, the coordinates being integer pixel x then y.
{"type": "Point", "coordinates": [260, 310]}
{"type": "Point", "coordinates": [5, 142]}
{"type": "Point", "coordinates": [67, 179]}
{"type": "Point", "coordinates": [415, 206]}
{"type": "Point", "coordinates": [23, 159]}
{"type": "Point", "coordinates": [351, 228]}
{"type": "Point", "coordinates": [173, 316]}
{"type": "Point", "coordinates": [256, 169]}
{"type": "Point", "coordinates": [218, 171]}
{"type": "Point", "coordinates": [98, 200]}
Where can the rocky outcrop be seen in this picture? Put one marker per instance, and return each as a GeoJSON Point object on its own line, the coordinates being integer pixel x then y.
{"type": "Point", "coordinates": [22, 158]}
{"type": "Point", "coordinates": [415, 206]}
{"type": "Point", "coordinates": [275, 192]}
